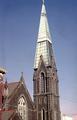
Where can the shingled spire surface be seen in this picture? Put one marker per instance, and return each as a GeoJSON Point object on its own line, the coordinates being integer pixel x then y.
{"type": "Point", "coordinates": [43, 46]}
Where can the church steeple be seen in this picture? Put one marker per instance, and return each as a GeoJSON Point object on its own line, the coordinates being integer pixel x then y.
{"type": "Point", "coordinates": [45, 79]}
{"type": "Point", "coordinates": [43, 40]}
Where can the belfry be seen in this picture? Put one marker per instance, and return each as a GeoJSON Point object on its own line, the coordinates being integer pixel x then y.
{"type": "Point", "coordinates": [45, 79]}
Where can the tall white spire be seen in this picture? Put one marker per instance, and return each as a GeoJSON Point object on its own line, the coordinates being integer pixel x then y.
{"type": "Point", "coordinates": [44, 40]}
{"type": "Point", "coordinates": [44, 33]}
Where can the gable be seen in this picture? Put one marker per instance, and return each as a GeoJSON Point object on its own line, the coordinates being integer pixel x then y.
{"type": "Point", "coordinates": [41, 66]}
{"type": "Point", "coordinates": [20, 90]}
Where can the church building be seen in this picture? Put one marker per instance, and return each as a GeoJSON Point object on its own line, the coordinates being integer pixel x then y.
{"type": "Point", "coordinates": [15, 100]}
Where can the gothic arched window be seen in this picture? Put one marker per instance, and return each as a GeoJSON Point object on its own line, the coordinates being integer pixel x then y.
{"type": "Point", "coordinates": [42, 82]}
{"type": "Point", "coordinates": [22, 108]}
{"type": "Point", "coordinates": [42, 114]}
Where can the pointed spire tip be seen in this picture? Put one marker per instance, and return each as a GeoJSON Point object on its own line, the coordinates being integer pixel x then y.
{"type": "Point", "coordinates": [21, 78]}
{"type": "Point", "coordinates": [43, 1]}
{"type": "Point", "coordinates": [21, 73]}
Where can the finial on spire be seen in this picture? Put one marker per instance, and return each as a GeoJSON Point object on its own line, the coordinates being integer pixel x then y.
{"type": "Point", "coordinates": [21, 73]}
{"type": "Point", "coordinates": [21, 78]}
{"type": "Point", "coordinates": [43, 1]}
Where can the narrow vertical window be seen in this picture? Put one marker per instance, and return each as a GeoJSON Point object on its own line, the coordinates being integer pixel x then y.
{"type": "Point", "coordinates": [42, 114]}
{"type": "Point", "coordinates": [42, 83]}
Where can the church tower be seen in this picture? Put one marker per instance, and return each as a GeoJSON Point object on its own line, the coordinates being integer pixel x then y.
{"type": "Point", "coordinates": [45, 79]}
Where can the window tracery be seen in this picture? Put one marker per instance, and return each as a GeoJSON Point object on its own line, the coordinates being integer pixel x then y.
{"type": "Point", "coordinates": [22, 108]}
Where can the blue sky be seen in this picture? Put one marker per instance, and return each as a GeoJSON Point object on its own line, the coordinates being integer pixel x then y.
{"type": "Point", "coordinates": [19, 22]}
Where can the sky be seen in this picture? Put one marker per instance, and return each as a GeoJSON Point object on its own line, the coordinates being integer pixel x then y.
{"type": "Point", "coordinates": [19, 23]}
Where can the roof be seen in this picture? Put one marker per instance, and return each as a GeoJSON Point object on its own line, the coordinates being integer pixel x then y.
{"type": "Point", "coordinates": [12, 86]}
{"type": "Point", "coordinates": [6, 114]}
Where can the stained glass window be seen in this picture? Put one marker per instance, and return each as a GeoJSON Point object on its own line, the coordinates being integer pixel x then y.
{"type": "Point", "coordinates": [22, 108]}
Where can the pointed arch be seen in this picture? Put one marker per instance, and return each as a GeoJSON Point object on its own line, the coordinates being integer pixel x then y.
{"type": "Point", "coordinates": [22, 107]}
{"type": "Point", "coordinates": [42, 82]}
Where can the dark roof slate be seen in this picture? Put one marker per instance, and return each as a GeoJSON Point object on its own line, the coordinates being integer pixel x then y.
{"type": "Point", "coordinates": [10, 114]}
{"type": "Point", "coordinates": [7, 114]}
{"type": "Point", "coordinates": [12, 86]}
